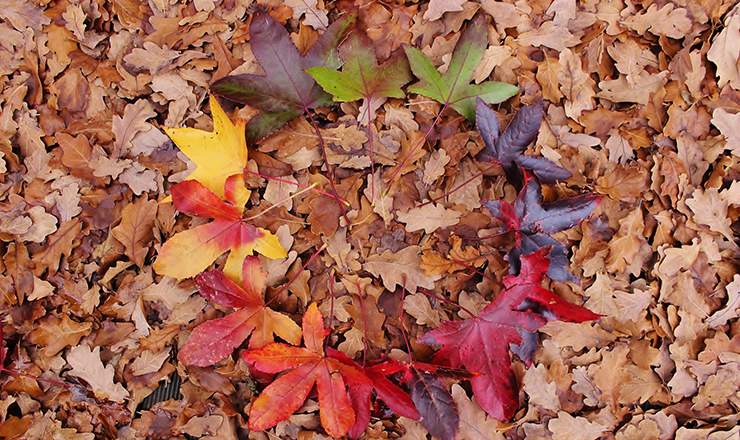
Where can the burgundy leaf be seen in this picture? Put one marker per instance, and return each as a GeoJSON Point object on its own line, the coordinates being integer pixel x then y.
{"type": "Point", "coordinates": [435, 404]}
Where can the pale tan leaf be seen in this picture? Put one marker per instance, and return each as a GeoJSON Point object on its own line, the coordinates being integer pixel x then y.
{"type": "Point", "coordinates": [149, 362]}
{"type": "Point", "coordinates": [567, 427]}
{"type": "Point", "coordinates": [401, 268]}
{"type": "Point", "coordinates": [86, 364]}
{"type": "Point", "coordinates": [418, 306]}
{"type": "Point", "coordinates": [429, 217]}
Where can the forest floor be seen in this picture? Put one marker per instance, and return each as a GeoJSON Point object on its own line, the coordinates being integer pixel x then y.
{"type": "Point", "coordinates": [641, 106]}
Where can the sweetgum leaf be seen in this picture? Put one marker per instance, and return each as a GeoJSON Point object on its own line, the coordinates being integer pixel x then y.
{"type": "Point", "coordinates": [361, 76]}
{"type": "Point", "coordinates": [190, 252]}
{"type": "Point", "coordinates": [482, 343]}
{"type": "Point", "coordinates": [396, 399]}
{"type": "Point", "coordinates": [532, 223]}
{"type": "Point", "coordinates": [214, 340]}
{"type": "Point", "coordinates": [435, 403]}
{"type": "Point", "coordinates": [287, 91]}
{"type": "Point", "coordinates": [508, 147]}
{"type": "Point", "coordinates": [454, 88]}
{"type": "Point", "coordinates": [308, 366]}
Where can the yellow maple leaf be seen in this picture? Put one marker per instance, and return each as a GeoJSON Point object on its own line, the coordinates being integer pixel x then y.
{"type": "Point", "coordinates": [218, 154]}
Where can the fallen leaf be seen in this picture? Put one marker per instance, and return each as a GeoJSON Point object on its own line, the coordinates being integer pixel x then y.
{"type": "Point", "coordinates": [86, 364]}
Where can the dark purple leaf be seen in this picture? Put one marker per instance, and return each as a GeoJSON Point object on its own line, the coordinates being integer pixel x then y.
{"type": "Point", "coordinates": [286, 92]}
{"type": "Point", "coordinates": [508, 148]}
{"type": "Point", "coordinates": [533, 222]}
{"type": "Point", "coordinates": [434, 402]}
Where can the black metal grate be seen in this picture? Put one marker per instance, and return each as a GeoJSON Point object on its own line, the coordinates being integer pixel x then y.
{"type": "Point", "coordinates": [165, 391]}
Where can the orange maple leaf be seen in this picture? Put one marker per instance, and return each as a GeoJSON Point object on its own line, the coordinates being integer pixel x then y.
{"type": "Point", "coordinates": [308, 366]}
{"type": "Point", "coordinates": [190, 252]}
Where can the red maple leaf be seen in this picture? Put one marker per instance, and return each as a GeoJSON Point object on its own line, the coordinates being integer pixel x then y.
{"type": "Point", "coordinates": [308, 366]}
{"type": "Point", "coordinates": [481, 344]}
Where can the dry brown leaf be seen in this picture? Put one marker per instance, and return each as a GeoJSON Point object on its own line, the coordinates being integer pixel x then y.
{"type": "Point", "coordinates": [399, 269]}
{"type": "Point", "coordinates": [135, 229]}
{"type": "Point", "coordinates": [429, 218]}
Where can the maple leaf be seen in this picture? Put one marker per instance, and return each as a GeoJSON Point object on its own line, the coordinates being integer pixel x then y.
{"type": "Point", "coordinates": [218, 154]}
{"type": "Point", "coordinates": [507, 148]}
{"type": "Point", "coordinates": [190, 252]}
{"type": "Point", "coordinates": [361, 76]}
{"type": "Point", "coordinates": [453, 88]}
{"type": "Point", "coordinates": [308, 366]}
{"type": "Point", "coordinates": [533, 222]}
{"type": "Point", "coordinates": [481, 344]}
{"type": "Point", "coordinates": [214, 340]}
{"type": "Point", "coordinates": [287, 91]}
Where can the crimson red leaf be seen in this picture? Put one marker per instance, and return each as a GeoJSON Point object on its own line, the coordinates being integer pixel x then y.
{"type": "Point", "coordinates": [508, 148]}
{"type": "Point", "coordinates": [532, 223]}
{"type": "Point", "coordinates": [396, 399]}
{"type": "Point", "coordinates": [482, 343]}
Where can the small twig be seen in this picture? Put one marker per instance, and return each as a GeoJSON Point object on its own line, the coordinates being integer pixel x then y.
{"type": "Point", "coordinates": [489, 278]}
{"type": "Point", "coordinates": [296, 184]}
{"type": "Point", "coordinates": [459, 186]}
{"type": "Point", "coordinates": [296, 275]}
{"type": "Point", "coordinates": [403, 330]}
{"type": "Point", "coordinates": [445, 300]}
{"type": "Point", "coordinates": [418, 145]}
{"type": "Point", "coordinates": [364, 323]}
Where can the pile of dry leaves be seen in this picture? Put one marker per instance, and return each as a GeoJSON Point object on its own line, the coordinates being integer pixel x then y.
{"type": "Point", "coordinates": [641, 106]}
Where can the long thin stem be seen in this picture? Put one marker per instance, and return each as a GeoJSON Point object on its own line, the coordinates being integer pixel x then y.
{"type": "Point", "coordinates": [445, 300]}
{"type": "Point", "coordinates": [418, 145]}
{"type": "Point", "coordinates": [364, 323]}
{"type": "Point", "coordinates": [489, 278]}
{"type": "Point", "coordinates": [372, 154]}
{"type": "Point", "coordinates": [248, 171]}
{"type": "Point", "coordinates": [296, 275]}
{"type": "Point", "coordinates": [328, 167]}
{"type": "Point", "coordinates": [459, 186]}
{"type": "Point", "coordinates": [23, 375]}
{"type": "Point", "coordinates": [279, 203]}
{"type": "Point", "coordinates": [403, 330]}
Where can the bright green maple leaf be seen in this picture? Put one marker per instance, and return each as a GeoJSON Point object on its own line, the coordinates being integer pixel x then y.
{"type": "Point", "coordinates": [453, 88]}
{"type": "Point", "coordinates": [361, 76]}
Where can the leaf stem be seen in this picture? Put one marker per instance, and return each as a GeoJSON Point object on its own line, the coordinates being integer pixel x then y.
{"type": "Point", "coordinates": [364, 323]}
{"type": "Point", "coordinates": [248, 171]}
{"type": "Point", "coordinates": [445, 300]}
{"type": "Point", "coordinates": [23, 375]}
{"type": "Point", "coordinates": [418, 145]}
{"type": "Point", "coordinates": [458, 186]}
{"type": "Point", "coordinates": [488, 277]}
{"type": "Point", "coordinates": [372, 154]}
{"type": "Point", "coordinates": [293, 278]}
{"type": "Point", "coordinates": [281, 202]}
{"type": "Point", "coordinates": [328, 167]}
{"type": "Point", "coordinates": [403, 330]}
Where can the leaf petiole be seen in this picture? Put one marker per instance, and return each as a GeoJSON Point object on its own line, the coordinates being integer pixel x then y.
{"type": "Point", "coordinates": [308, 188]}
{"type": "Point", "coordinates": [460, 185]}
{"type": "Point", "coordinates": [254, 173]}
{"type": "Point", "coordinates": [445, 300]}
{"type": "Point", "coordinates": [290, 281]}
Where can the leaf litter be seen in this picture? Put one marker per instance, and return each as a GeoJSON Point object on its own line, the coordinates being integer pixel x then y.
{"type": "Point", "coordinates": [89, 328]}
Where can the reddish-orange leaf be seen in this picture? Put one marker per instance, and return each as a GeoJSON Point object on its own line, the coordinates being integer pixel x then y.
{"type": "Point", "coordinates": [309, 366]}
{"type": "Point", "coordinates": [190, 252]}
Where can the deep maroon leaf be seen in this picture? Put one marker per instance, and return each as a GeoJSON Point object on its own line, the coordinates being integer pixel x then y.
{"type": "Point", "coordinates": [482, 343]}
{"type": "Point", "coordinates": [533, 222]}
{"type": "Point", "coordinates": [286, 91]}
{"type": "Point", "coordinates": [435, 404]}
{"type": "Point", "coordinates": [508, 148]}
